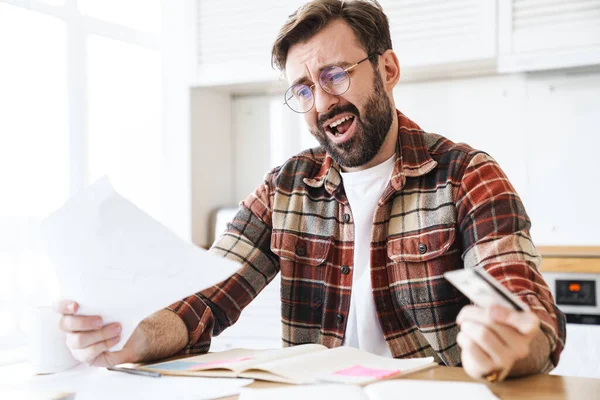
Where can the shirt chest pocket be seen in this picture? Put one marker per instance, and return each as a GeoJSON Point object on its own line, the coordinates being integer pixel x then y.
{"type": "Point", "coordinates": [302, 263]}
{"type": "Point", "coordinates": [417, 263]}
{"type": "Point", "coordinates": [421, 246]}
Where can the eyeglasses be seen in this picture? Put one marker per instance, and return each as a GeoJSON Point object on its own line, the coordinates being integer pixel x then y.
{"type": "Point", "coordinates": [334, 80]}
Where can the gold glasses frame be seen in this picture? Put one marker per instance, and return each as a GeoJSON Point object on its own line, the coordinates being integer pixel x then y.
{"type": "Point", "coordinates": [312, 87]}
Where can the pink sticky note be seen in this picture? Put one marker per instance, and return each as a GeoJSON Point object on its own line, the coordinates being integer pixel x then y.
{"type": "Point", "coordinates": [360, 371]}
{"type": "Point", "coordinates": [232, 360]}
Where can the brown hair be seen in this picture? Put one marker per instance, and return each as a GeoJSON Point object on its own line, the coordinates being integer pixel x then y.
{"type": "Point", "coordinates": [365, 17]}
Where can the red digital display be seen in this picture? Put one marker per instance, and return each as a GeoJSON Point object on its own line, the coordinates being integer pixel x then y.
{"type": "Point", "coordinates": [574, 287]}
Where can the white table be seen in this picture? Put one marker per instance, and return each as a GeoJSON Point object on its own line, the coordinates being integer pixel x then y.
{"type": "Point", "coordinates": [98, 383]}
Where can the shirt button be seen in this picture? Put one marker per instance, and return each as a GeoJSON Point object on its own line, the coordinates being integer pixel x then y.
{"type": "Point", "coordinates": [422, 248]}
{"type": "Point", "coordinates": [301, 251]}
{"type": "Point", "coordinates": [345, 269]}
{"type": "Point", "coordinates": [346, 217]}
{"type": "Point", "coordinates": [339, 318]}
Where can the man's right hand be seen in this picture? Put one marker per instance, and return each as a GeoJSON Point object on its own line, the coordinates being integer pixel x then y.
{"type": "Point", "coordinates": [160, 335]}
{"type": "Point", "coordinates": [90, 340]}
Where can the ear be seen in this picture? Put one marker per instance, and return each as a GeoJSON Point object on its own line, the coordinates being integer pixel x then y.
{"type": "Point", "coordinates": [390, 70]}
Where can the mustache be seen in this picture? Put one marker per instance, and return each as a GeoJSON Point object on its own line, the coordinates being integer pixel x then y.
{"type": "Point", "coordinates": [337, 110]}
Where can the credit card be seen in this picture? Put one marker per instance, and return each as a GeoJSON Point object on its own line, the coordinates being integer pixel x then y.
{"type": "Point", "coordinates": [483, 289]}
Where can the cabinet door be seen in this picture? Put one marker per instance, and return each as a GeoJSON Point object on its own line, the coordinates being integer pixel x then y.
{"type": "Point", "coordinates": [548, 34]}
{"type": "Point", "coordinates": [234, 39]}
{"type": "Point", "coordinates": [434, 37]}
{"type": "Point", "coordinates": [561, 133]}
{"type": "Point", "coordinates": [581, 353]}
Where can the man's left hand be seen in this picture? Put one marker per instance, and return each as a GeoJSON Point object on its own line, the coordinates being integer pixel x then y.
{"type": "Point", "coordinates": [495, 339]}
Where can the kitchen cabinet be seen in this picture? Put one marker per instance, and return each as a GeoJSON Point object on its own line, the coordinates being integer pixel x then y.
{"type": "Point", "coordinates": [233, 40]}
{"type": "Point", "coordinates": [581, 353]}
{"type": "Point", "coordinates": [433, 38]}
{"type": "Point", "coordinates": [436, 38]}
{"type": "Point", "coordinates": [562, 117]}
{"type": "Point", "coordinates": [548, 34]}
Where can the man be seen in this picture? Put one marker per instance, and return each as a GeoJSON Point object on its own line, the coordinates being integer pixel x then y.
{"type": "Point", "coordinates": [363, 227]}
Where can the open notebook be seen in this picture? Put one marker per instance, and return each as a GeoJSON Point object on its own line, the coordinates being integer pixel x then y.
{"type": "Point", "coordinates": [401, 388]}
{"type": "Point", "coordinates": [308, 363]}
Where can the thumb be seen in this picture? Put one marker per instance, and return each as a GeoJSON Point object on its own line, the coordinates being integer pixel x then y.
{"type": "Point", "coordinates": [110, 359]}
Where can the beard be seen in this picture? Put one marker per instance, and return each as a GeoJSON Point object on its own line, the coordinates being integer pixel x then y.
{"type": "Point", "coordinates": [371, 129]}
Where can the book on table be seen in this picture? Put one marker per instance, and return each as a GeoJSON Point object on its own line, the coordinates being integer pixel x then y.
{"type": "Point", "coordinates": [302, 364]}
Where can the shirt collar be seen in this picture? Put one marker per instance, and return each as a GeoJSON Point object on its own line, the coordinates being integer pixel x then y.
{"type": "Point", "coordinates": [413, 159]}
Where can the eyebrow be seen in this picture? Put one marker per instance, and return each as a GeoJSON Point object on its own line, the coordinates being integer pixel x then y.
{"type": "Point", "coordinates": [304, 79]}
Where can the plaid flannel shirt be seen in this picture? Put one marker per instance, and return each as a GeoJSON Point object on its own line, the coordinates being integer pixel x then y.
{"type": "Point", "coordinates": [447, 206]}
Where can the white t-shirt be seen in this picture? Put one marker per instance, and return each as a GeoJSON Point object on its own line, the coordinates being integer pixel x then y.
{"type": "Point", "coordinates": [364, 189]}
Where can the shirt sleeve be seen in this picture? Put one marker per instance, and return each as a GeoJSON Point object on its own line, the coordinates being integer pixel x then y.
{"type": "Point", "coordinates": [495, 235]}
{"type": "Point", "coordinates": [247, 240]}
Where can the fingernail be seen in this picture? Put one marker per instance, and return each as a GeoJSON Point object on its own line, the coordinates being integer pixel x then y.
{"type": "Point", "coordinates": [115, 329]}
{"type": "Point", "coordinates": [97, 323]}
{"type": "Point", "coordinates": [71, 307]}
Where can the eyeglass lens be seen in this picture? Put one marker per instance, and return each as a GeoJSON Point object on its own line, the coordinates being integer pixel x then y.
{"type": "Point", "coordinates": [334, 80]}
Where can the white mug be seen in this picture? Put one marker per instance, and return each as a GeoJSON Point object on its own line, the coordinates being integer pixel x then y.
{"type": "Point", "coordinates": [48, 351]}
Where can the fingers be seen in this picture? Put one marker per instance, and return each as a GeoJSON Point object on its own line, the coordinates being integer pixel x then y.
{"type": "Point", "coordinates": [81, 340]}
{"type": "Point", "coordinates": [66, 307]}
{"type": "Point", "coordinates": [485, 331]}
{"type": "Point", "coordinates": [486, 340]}
{"type": "Point", "coordinates": [87, 338]}
{"type": "Point", "coordinates": [86, 346]}
{"type": "Point", "coordinates": [78, 323]}
{"type": "Point", "coordinates": [475, 361]}
{"type": "Point", "coordinates": [91, 353]}
{"type": "Point", "coordinates": [525, 322]}
{"type": "Point", "coordinates": [108, 359]}
{"type": "Point", "coordinates": [503, 336]}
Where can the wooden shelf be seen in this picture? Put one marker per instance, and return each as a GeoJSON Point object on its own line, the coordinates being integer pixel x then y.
{"type": "Point", "coordinates": [575, 265]}
{"type": "Point", "coordinates": [570, 251]}
{"type": "Point", "coordinates": [572, 259]}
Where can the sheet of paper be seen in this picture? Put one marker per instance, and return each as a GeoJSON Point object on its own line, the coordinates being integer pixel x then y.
{"type": "Point", "coordinates": [91, 383]}
{"type": "Point", "coordinates": [119, 263]}
{"type": "Point", "coordinates": [306, 392]}
{"type": "Point", "coordinates": [392, 389]}
{"type": "Point", "coordinates": [428, 390]}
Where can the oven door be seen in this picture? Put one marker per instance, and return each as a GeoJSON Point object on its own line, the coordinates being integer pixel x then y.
{"type": "Point", "coordinates": [577, 295]}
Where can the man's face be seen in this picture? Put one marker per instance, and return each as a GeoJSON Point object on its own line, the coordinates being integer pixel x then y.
{"type": "Point", "coordinates": [365, 109]}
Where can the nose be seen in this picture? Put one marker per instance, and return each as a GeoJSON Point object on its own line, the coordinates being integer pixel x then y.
{"type": "Point", "coordinates": [323, 100]}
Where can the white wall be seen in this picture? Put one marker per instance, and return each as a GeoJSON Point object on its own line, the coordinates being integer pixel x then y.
{"type": "Point", "coordinates": [212, 159]}
{"type": "Point", "coordinates": [251, 145]}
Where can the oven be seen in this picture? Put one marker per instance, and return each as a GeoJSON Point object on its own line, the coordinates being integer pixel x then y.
{"type": "Point", "coordinates": [574, 281]}
{"type": "Point", "coordinates": [577, 295]}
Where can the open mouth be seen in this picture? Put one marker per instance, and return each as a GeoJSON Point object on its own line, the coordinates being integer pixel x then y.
{"type": "Point", "coordinates": [340, 128]}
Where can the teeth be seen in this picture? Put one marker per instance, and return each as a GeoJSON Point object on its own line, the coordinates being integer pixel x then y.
{"type": "Point", "coordinates": [339, 121]}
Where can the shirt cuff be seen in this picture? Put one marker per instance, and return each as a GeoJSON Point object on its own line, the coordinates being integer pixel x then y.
{"type": "Point", "coordinates": [196, 316]}
{"type": "Point", "coordinates": [553, 325]}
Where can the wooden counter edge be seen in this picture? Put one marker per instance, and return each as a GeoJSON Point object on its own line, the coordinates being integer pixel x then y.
{"type": "Point", "coordinates": [541, 386]}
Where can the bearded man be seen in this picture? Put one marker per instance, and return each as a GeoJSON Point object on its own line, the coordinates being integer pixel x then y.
{"type": "Point", "coordinates": [362, 228]}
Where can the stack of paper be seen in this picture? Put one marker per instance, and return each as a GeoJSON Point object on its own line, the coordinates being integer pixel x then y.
{"type": "Point", "coordinates": [119, 263]}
